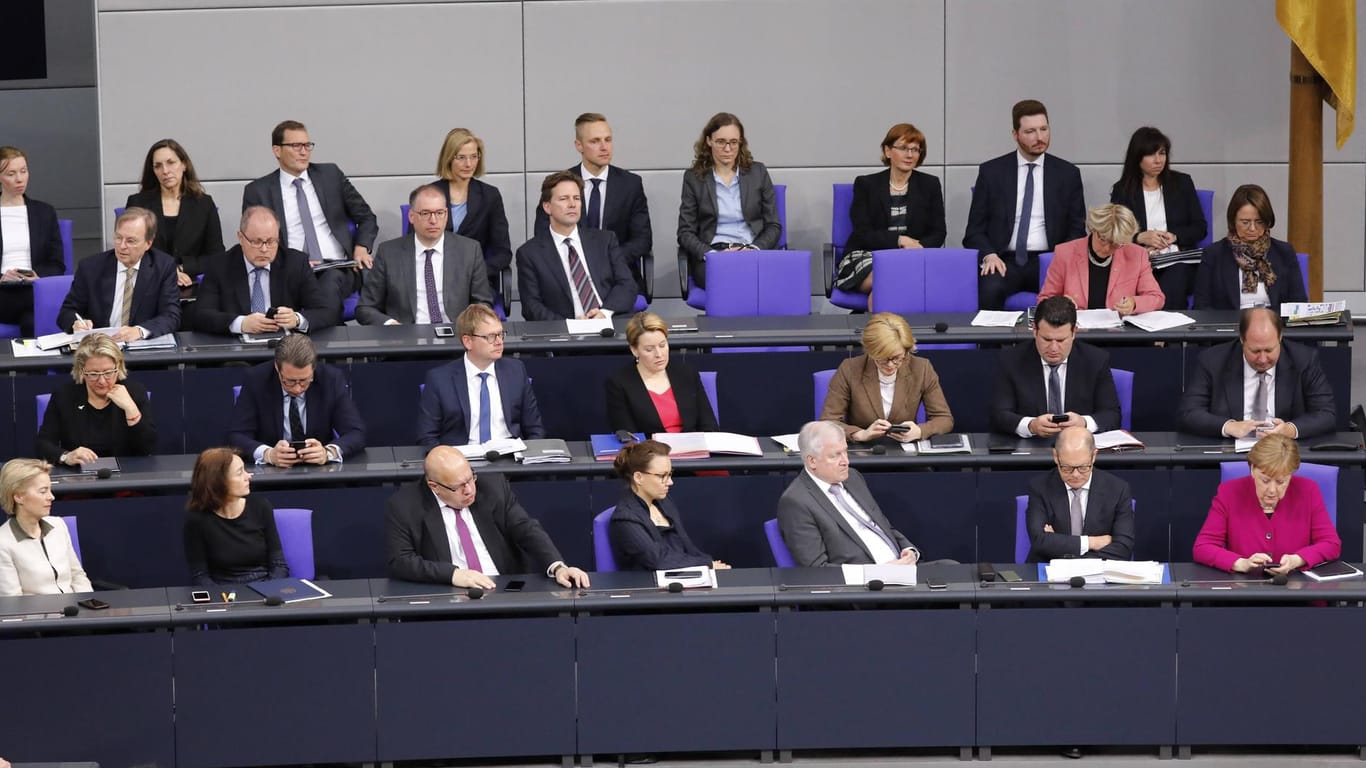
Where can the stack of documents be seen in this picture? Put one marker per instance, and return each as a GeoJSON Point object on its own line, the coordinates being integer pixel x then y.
{"type": "Point", "coordinates": [1098, 318]}
{"type": "Point", "coordinates": [1104, 571]}
{"type": "Point", "coordinates": [477, 452]}
{"type": "Point", "coordinates": [887, 573]}
{"type": "Point", "coordinates": [1116, 440]}
{"type": "Point", "coordinates": [544, 452]}
{"type": "Point", "coordinates": [1164, 260]}
{"type": "Point", "coordinates": [1313, 313]}
{"type": "Point", "coordinates": [1159, 320]}
{"type": "Point", "coordinates": [993, 318]}
{"type": "Point", "coordinates": [700, 445]}
{"type": "Point", "coordinates": [30, 348]}
{"type": "Point", "coordinates": [164, 341]}
{"type": "Point", "coordinates": [59, 340]}
{"type": "Point", "coordinates": [606, 447]}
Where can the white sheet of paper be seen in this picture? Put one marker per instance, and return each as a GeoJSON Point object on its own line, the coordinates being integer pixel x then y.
{"type": "Point", "coordinates": [587, 327]}
{"type": "Point", "coordinates": [994, 318]}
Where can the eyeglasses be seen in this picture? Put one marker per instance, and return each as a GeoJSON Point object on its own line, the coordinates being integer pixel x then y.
{"type": "Point", "coordinates": [454, 488]}
{"type": "Point", "coordinates": [262, 245]}
{"type": "Point", "coordinates": [295, 382]}
{"type": "Point", "coordinates": [664, 477]}
{"type": "Point", "coordinates": [131, 242]}
{"type": "Point", "coordinates": [1250, 224]}
{"type": "Point", "coordinates": [892, 362]}
{"type": "Point", "coordinates": [1074, 469]}
{"type": "Point", "coordinates": [100, 375]}
{"type": "Point", "coordinates": [906, 149]}
{"type": "Point", "coordinates": [492, 338]}
{"type": "Point", "coordinates": [466, 158]}
{"type": "Point", "coordinates": [725, 143]}
{"type": "Point", "coordinates": [300, 146]}
{"type": "Point", "coordinates": [439, 213]}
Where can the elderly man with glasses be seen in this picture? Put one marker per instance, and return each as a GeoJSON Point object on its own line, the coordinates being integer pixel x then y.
{"type": "Point", "coordinates": [1078, 511]}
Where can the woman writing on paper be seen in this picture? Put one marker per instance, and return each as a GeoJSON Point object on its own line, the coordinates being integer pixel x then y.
{"type": "Point", "coordinates": [1104, 270]}
{"type": "Point", "coordinates": [36, 553]}
{"type": "Point", "coordinates": [230, 535]}
{"type": "Point", "coordinates": [101, 412]}
{"type": "Point", "coordinates": [1270, 519]}
{"type": "Point", "coordinates": [646, 531]}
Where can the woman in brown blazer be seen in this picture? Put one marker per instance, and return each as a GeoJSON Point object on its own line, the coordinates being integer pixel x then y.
{"type": "Point", "coordinates": [885, 386]}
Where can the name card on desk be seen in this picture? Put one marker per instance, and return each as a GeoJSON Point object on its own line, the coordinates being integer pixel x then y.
{"type": "Point", "coordinates": [689, 578]}
{"type": "Point", "coordinates": [887, 573]}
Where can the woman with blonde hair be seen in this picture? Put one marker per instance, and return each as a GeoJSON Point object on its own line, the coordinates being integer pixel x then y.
{"type": "Point", "coordinates": [80, 425]}
{"type": "Point", "coordinates": [36, 553]}
{"type": "Point", "coordinates": [656, 393]}
{"type": "Point", "coordinates": [476, 206]}
{"type": "Point", "coordinates": [1105, 269]}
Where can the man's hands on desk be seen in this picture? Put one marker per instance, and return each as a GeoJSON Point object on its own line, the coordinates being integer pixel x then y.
{"type": "Point", "coordinates": [1043, 426]}
{"type": "Point", "coordinates": [281, 455]}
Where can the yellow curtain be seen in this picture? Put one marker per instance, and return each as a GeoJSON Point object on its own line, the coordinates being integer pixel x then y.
{"type": "Point", "coordinates": [1326, 31]}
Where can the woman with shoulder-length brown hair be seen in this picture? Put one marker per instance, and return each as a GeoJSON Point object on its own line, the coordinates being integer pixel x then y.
{"type": "Point", "coordinates": [1249, 268]}
{"type": "Point", "coordinates": [188, 226]}
{"type": "Point", "coordinates": [230, 535]}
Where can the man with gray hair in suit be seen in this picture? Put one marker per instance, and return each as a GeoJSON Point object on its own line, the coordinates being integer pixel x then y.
{"type": "Point", "coordinates": [828, 516]}
{"type": "Point", "coordinates": [429, 275]}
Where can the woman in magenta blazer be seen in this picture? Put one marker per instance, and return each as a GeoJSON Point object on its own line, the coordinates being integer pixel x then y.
{"type": "Point", "coordinates": [1269, 520]}
{"type": "Point", "coordinates": [1105, 269]}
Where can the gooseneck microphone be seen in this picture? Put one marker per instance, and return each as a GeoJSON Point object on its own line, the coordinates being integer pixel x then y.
{"type": "Point", "coordinates": [941, 326]}
{"type": "Point", "coordinates": [472, 593]}
{"type": "Point", "coordinates": [1076, 582]}
{"type": "Point", "coordinates": [1276, 579]}
{"type": "Point", "coordinates": [491, 455]}
{"type": "Point", "coordinates": [104, 473]}
{"type": "Point", "coordinates": [272, 600]}
{"type": "Point", "coordinates": [607, 333]}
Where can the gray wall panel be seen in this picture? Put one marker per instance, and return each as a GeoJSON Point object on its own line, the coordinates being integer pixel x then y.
{"type": "Point", "coordinates": [69, 27]}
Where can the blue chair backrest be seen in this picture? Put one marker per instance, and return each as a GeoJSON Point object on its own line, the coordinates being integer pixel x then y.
{"type": "Point", "coordinates": [1303, 259]}
{"type": "Point", "coordinates": [841, 226]}
{"type": "Point", "coordinates": [602, 541]}
{"type": "Point", "coordinates": [820, 384]}
{"type": "Point", "coordinates": [236, 392]}
{"type": "Point", "coordinates": [1206, 198]}
{"type": "Point", "coordinates": [920, 280]}
{"type": "Point", "coordinates": [780, 202]}
{"type": "Point", "coordinates": [296, 539]}
{"type": "Point", "coordinates": [781, 556]}
{"type": "Point", "coordinates": [1045, 261]}
{"type": "Point", "coordinates": [74, 532]}
{"type": "Point", "coordinates": [403, 219]}
{"type": "Point", "coordinates": [1326, 477]}
{"type": "Point", "coordinates": [1124, 387]}
{"type": "Point", "coordinates": [762, 283]}
{"type": "Point", "coordinates": [48, 295]}
{"type": "Point", "coordinates": [709, 386]}
{"type": "Point", "coordinates": [1021, 534]}
{"type": "Point", "coordinates": [42, 401]}
{"type": "Point", "coordinates": [1026, 299]}
{"type": "Point", "coordinates": [68, 257]}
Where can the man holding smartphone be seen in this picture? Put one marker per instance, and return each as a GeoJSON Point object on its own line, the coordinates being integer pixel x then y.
{"type": "Point", "coordinates": [1054, 381]}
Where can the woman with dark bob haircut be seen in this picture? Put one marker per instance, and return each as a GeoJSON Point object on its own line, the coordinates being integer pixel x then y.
{"type": "Point", "coordinates": [230, 535]}
{"type": "Point", "coordinates": [646, 531]}
{"type": "Point", "coordinates": [1249, 268]}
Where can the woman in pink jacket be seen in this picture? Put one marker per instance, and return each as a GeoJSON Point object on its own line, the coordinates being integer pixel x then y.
{"type": "Point", "coordinates": [1105, 269]}
{"type": "Point", "coordinates": [1270, 520]}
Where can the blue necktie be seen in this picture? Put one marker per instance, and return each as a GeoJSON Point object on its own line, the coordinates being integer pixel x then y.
{"type": "Point", "coordinates": [1026, 213]}
{"type": "Point", "coordinates": [485, 418]}
{"type": "Point", "coordinates": [311, 247]}
{"type": "Point", "coordinates": [258, 294]}
{"type": "Point", "coordinates": [595, 206]}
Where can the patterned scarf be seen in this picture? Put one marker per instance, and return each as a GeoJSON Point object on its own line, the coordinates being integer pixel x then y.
{"type": "Point", "coordinates": [1251, 258]}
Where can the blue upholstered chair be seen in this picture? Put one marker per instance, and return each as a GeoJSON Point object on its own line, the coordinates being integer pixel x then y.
{"type": "Point", "coordinates": [1324, 476]}
{"type": "Point", "coordinates": [781, 556]}
{"type": "Point", "coordinates": [68, 257]}
{"type": "Point", "coordinates": [697, 297]}
{"type": "Point", "coordinates": [1026, 299]}
{"type": "Point", "coordinates": [1124, 387]}
{"type": "Point", "coordinates": [602, 541]}
{"type": "Point", "coordinates": [296, 539]}
{"type": "Point", "coordinates": [1206, 198]}
{"type": "Point", "coordinates": [762, 283]}
{"type": "Point", "coordinates": [917, 280]}
{"type": "Point", "coordinates": [709, 386]}
{"type": "Point", "coordinates": [71, 529]}
{"type": "Point", "coordinates": [841, 227]}
{"type": "Point", "coordinates": [1303, 259]}
{"type": "Point", "coordinates": [48, 295]}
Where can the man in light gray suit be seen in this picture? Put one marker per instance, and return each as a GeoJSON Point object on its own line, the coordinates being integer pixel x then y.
{"type": "Point", "coordinates": [828, 516]}
{"type": "Point", "coordinates": [427, 276]}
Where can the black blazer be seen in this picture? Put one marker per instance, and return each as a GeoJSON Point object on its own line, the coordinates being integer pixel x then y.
{"type": "Point", "coordinates": [1109, 512]}
{"type": "Point", "coordinates": [258, 417]}
{"type": "Point", "coordinates": [198, 230]}
{"type": "Point", "coordinates": [1020, 390]}
{"type": "Point", "coordinates": [1219, 280]}
{"type": "Point", "coordinates": [1215, 392]}
{"type": "Point", "coordinates": [156, 298]}
{"type": "Point", "coordinates": [991, 219]}
{"type": "Point", "coordinates": [485, 221]}
{"type": "Point", "coordinates": [871, 209]}
{"type": "Point", "coordinates": [44, 239]}
{"type": "Point", "coordinates": [625, 213]}
{"type": "Point", "coordinates": [637, 544]}
{"type": "Point", "coordinates": [545, 289]}
{"type": "Point", "coordinates": [697, 215]}
{"type": "Point", "coordinates": [419, 549]}
{"type": "Point", "coordinates": [1185, 218]}
{"type": "Point", "coordinates": [629, 406]}
{"type": "Point", "coordinates": [63, 428]}
{"type": "Point", "coordinates": [341, 203]}
{"type": "Point", "coordinates": [226, 291]}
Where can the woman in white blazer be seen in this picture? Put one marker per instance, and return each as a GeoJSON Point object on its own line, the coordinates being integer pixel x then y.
{"type": "Point", "coordinates": [36, 553]}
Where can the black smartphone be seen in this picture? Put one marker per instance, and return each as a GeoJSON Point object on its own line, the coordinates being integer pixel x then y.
{"type": "Point", "coordinates": [514, 586]}
{"type": "Point", "coordinates": [937, 584]}
{"type": "Point", "coordinates": [94, 604]}
{"type": "Point", "coordinates": [444, 331]}
{"type": "Point", "coordinates": [1061, 418]}
{"type": "Point", "coordinates": [270, 311]}
{"type": "Point", "coordinates": [199, 596]}
{"type": "Point", "coordinates": [298, 445]}
{"type": "Point", "coordinates": [897, 429]}
{"type": "Point", "coordinates": [1010, 576]}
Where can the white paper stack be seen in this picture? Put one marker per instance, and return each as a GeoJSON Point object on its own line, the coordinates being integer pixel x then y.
{"type": "Point", "coordinates": [1094, 571]}
{"type": "Point", "coordinates": [993, 318]}
{"type": "Point", "coordinates": [887, 573]}
{"type": "Point", "coordinates": [475, 452]}
{"type": "Point", "coordinates": [700, 445]}
{"type": "Point", "coordinates": [1159, 320]}
{"type": "Point", "coordinates": [1098, 318]}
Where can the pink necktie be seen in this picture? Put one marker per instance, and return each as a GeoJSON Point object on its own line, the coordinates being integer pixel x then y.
{"type": "Point", "coordinates": [467, 544]}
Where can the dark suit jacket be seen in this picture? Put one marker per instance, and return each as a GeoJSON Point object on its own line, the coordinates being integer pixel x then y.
{"type": "Point", "coordinates": [330, 414]}
{"type": "Point", "coordinates": [991, 219]}
{"type": "Point", "coordinates": [390, 289]}
{"type": "Point", "coordinates": [870, 213]}
{"type": "Point", "coordinates": [629, 406]}
{"type": "Point", "coordinates": [1185, 219]}
{"type": "Point", "coordinates": [156, 299]}
{"type": "Point", "coordinates": [1109, 512]}
{"type": "Point", "coordinates": [444, 411]}
{"type": "Point", "coordinates": [198, 231]}
{"type": "Point", "coordinates": [1219, 280]}
{"type": "Point", "coordinates": [63, 428]}
{"type": "Point", "coordinates": [624, 213]}
{"type": "Point", "coordinates": [1020, 390]}
{"type": "Point", "coordinates": [341, 203]}
{"type": "Point", "coordinates": [697, 215]}
{"type": "Point", "coordinates": [854, 399]}
{"type": "Point", "coordinates": [419, 549]}
{"type": "Point", "coordinates": [817, 534]}
{"type": "Point", "coordinates": [44, 239]}
{"type": "Point", "coordinates": [544, 288]}
{"type": "Point", "coordinates": [1215, 392]}
{"type": "Point", "coordinates": [485, 221]}
{"type": "Point", "coordinates": [225, 293]}
{"type": "Point", "coordinates": [637, 544]}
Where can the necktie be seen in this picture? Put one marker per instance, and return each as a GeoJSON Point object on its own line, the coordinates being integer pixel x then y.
{"type": "Point", "coordinates": [429, 280]}
{"type": "Point", "coordinates": [1054, 390]}
{"type": "Point", "coordinates": [1259, 409]}
{"type": "Point", "coordinates": [595, 205]}
{"type": "Point", "coordinates": [462, 530]}
{"type": "Point", "coordinates": [296, 421]}
{"type": "Point", "coordinates": [837, 491]}
{"type": "Point", "coordinates": [130, 279]}
{"type": "Point", "coordinates": [1076, 512]}
{"type": "Point", "coordinates": [1026, 212]}
{"type": "Point", "coordinates": [311, 247]}
{"type": "Point", "coordinates": [583, 286]}
{"type": "Point", "coordinates": [258, 294]}
{"type": "Point", "coordinates": [485, 418]}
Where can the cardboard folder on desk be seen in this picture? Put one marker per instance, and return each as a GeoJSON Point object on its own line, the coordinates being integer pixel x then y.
{"type": "Point", "coordinates": [289, 590]}
{"type": "Point", "coordinates": [700, 445]}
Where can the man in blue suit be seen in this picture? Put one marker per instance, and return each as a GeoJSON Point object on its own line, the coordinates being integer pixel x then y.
{"type": "Point", "coordinates": [615, 196]}
{"type": "Point", "coordinates": [482, 397]}
{"type": "Point", "coordinates": [1024, 203]}
{"type": "Point", "coordinates": [294, 400]}
{"type": "Point", "coordinates": [570, 271]}
{"type": "Point", "coordinates": [131, 288]}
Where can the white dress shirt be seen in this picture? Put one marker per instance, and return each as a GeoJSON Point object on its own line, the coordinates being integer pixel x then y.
{"type": "Point", "coordinates": [563, 250]}
{"type": "Point", "coordinates": [486, 564]}
{"type": "Point", "coordinates": [14, 226]}
{"type": "Point", "coordinates": [588, 191]}
{"type": "Point", "coordinates": [1257, 298]}
{"type": "Point", "coordinates": [1038, 233]}
{"type": "Point", "coordinates": [1155, 205]}
{"type": "Point", "coordinates": [886, 388]}
{"type": "Point", "coordinates": [420, 314]}
{"type": "Point", "coordinates": [871, 541]}
{"type": "Point", "coordinates": [1022, 429]}
{"type": "Point", "coordinates": [294, 227]}
{"type": "Point", "coordinates": [498, 426]}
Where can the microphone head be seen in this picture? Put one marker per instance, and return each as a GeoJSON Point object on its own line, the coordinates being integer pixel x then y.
{"type": "Point", "coordinates": [1280, 579]}
{"type": "Point", "coordinates": [104, 473]}
{"type": "Point", "coordinates": [275, 600]}
{"type": "Point", "coordinates": [491, 455]}
{"type": "Point", "coordinates": [941, 326]}
{"type": "Point", "coordinates": [1186, 583]}
{"type": "Point", "coordinates": [878, 450]}
{"type": "Point", "coordinates": [381, 598]}
{"type": "Point", "coordinates": [675, 587]}
{"type": "Point", "coordinates": [607, 333]}
{"type": "Point", "coordinates": [70, 610]}
{"type": "Point", "coordinates": [474, 593]}
{"type": "Point", "coordinates": [179, 607]}
{"type": "Point", "coordinates": [1077, 582]}
{"type": "Point", "coordinates": [875, 585]}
